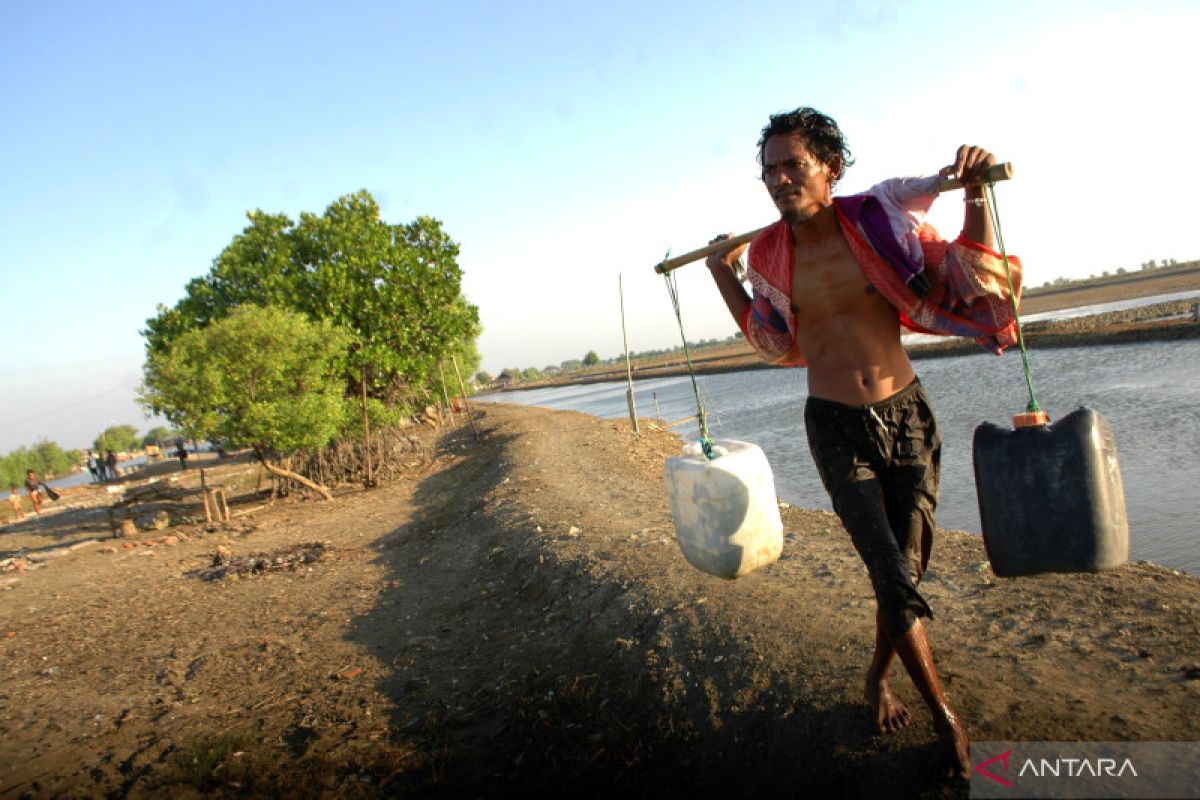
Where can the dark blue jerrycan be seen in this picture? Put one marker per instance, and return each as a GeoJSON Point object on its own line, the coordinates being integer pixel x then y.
{"type": "Point", "coordinates": [1050, 496]}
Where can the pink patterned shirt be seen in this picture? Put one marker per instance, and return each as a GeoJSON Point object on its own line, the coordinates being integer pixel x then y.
{"type": "Point", "coordinates": [969, 295]}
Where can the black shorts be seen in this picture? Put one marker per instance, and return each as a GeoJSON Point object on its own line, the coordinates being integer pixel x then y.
{"type": "Point", "coordinates": [880, 465]}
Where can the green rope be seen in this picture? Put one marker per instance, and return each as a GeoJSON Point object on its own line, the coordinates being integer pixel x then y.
{"type": "Point", "coordinates": [706, 443]}
{"type": "Point", "coordinates": [1012, 297]}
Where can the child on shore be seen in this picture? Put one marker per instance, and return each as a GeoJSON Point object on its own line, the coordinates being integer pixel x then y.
{"type": "Point", "coordinates": [15, 500]}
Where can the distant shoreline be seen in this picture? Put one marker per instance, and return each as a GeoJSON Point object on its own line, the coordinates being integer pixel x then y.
{"type": "Point", "coordinates": [1168, 321]}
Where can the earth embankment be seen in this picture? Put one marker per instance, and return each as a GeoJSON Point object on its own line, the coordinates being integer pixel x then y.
{"type": "Point", "coordinates": [514, 616]}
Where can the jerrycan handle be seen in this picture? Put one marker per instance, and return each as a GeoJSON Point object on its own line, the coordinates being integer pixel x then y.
{"type": "Point", "coordinates": [1030, 419]}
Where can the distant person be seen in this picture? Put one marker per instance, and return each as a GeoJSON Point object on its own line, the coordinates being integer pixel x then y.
{"type": "Point", "coordinates": [94, 467]}
{"type": "Point", "coordinates": [33, 485]}
{"type": "Point", "coordinates": [110, 463]}
{"type": "Point", "coordinates": [14, 500]}
{"type": "Point", "coordinates": [182, 454]}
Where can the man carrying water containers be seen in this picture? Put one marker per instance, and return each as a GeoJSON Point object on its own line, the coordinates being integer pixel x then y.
{"type": "Point", "coordinates": [832, 282]}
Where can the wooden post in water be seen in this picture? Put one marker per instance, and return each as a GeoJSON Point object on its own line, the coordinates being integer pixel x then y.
{"type": "Point", "coordinates": [466, 403]}
{"type": "Point", "coordinates": [657, 412]}
{"type": "Point", "coordinates": [633, 417]}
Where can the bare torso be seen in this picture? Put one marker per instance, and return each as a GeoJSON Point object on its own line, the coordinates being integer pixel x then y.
{"type": "Point", "coordinates": [849, 334]}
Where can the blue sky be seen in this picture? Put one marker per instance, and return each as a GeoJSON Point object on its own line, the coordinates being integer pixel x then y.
{"type": "Point", "coordinates": [559, 145]}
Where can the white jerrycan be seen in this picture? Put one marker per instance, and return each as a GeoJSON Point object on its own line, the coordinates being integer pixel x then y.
{"type": "Point", "coordinates": [725, 510]}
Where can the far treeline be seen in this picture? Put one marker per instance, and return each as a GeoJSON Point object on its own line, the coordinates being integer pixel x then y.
{"type": "Point", "coordinates": [513, 375]}
{"type": "Point", "coordinates": [44, 458]}
{"type": "Point", "coordinates": [126, 439]}
{"type": "Point", "coordinates": [1121, 272]}
{"type": "Point", "coordinates": [304, 332]}
{"type": "Point", "coordinates": [47, 459]}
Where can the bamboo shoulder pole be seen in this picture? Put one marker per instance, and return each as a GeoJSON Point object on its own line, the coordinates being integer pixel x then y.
{"type": "Point", "coordinates": [999, 172]}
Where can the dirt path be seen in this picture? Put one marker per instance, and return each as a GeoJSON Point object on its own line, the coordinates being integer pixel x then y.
{"type": "Point", "coordinates": [516, 616]}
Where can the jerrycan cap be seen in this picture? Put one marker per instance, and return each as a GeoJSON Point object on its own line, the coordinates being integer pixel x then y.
{"type": "Point", "coordinates": [1030, 419]}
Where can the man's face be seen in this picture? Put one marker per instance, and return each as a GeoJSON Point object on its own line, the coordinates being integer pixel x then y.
{"type": "Point", "coordinates": [798, 182]}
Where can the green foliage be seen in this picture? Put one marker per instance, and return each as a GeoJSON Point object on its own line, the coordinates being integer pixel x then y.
{"type": "Point", "coordinates": [265, 377]}
{"type": "Point", "coordinates": [483, 378]}
{"type": "Point", "coordinates": [118, 438]}
{"type": "Point", "coordinates": [531, 373]}
{"type": "Point", "coordinates": [159, 436]}
{"type": "Point", "coordinates": [591, 359]}
{"type": "Point", "coordinates": [379, 415]}
{"type": "Point", "coordinates": [468, 362]}
{"type": "Point", "coordinates": [394, 289]}
{"type": "Point", "coordinates": [45, 458]}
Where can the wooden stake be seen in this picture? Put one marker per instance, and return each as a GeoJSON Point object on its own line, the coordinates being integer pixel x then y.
{"type": "Point", "coordinates": [633, 417]}
{"type": "Point", "coordinates": [445, 394]}
{"type": "Point", "coordinates": [370, 478]}
{"type": "Point", "coordinates": [466, 403]}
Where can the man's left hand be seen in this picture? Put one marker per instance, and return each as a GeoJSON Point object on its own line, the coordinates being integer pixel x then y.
{"type": "Point", "coordinates": [970, 164]}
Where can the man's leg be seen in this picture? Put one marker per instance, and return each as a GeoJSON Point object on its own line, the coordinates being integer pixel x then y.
{"type": "Point", "coordinates": [915, 653]}
{"type": "Point", "coordinates": [890, 714]}
{"type": "Point", "coordinates": [847, 453]}
{"type": "Point", "coordinates": [910, 486]}
{"type": "Point", "coordinates": [912, 525]}
{"type": "Point", "coordinates": [860, 505]}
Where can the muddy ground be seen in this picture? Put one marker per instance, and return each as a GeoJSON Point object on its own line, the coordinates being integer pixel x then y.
{"type": "Point", "coordinates": [514, 615]}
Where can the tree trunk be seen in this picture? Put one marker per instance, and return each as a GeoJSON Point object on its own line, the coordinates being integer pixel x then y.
{"type": "Point", "coordinates": [280, 472]}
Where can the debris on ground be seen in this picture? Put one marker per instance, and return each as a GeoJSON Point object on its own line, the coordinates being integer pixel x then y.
{"type": "Point", "coordinates": [224, 564]}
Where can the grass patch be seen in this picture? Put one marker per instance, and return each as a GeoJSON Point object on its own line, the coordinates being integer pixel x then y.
{"type": "Point", "coordinates": [211, 762]}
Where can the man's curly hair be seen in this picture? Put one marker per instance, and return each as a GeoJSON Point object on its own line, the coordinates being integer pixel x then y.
{"type": "Point", "coordinates": [820, 133]}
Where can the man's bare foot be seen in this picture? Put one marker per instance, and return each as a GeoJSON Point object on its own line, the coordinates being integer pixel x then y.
{"type": "Point", "coordinates": [890, 714]}
{"type": "Point", "coordinates": [954, 758]}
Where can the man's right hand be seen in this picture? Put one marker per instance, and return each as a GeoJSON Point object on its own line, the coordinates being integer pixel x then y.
{"type": "Point", "coordinates": [727, 258]}
{"type": "Point", "coordinates": [723, 266]}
